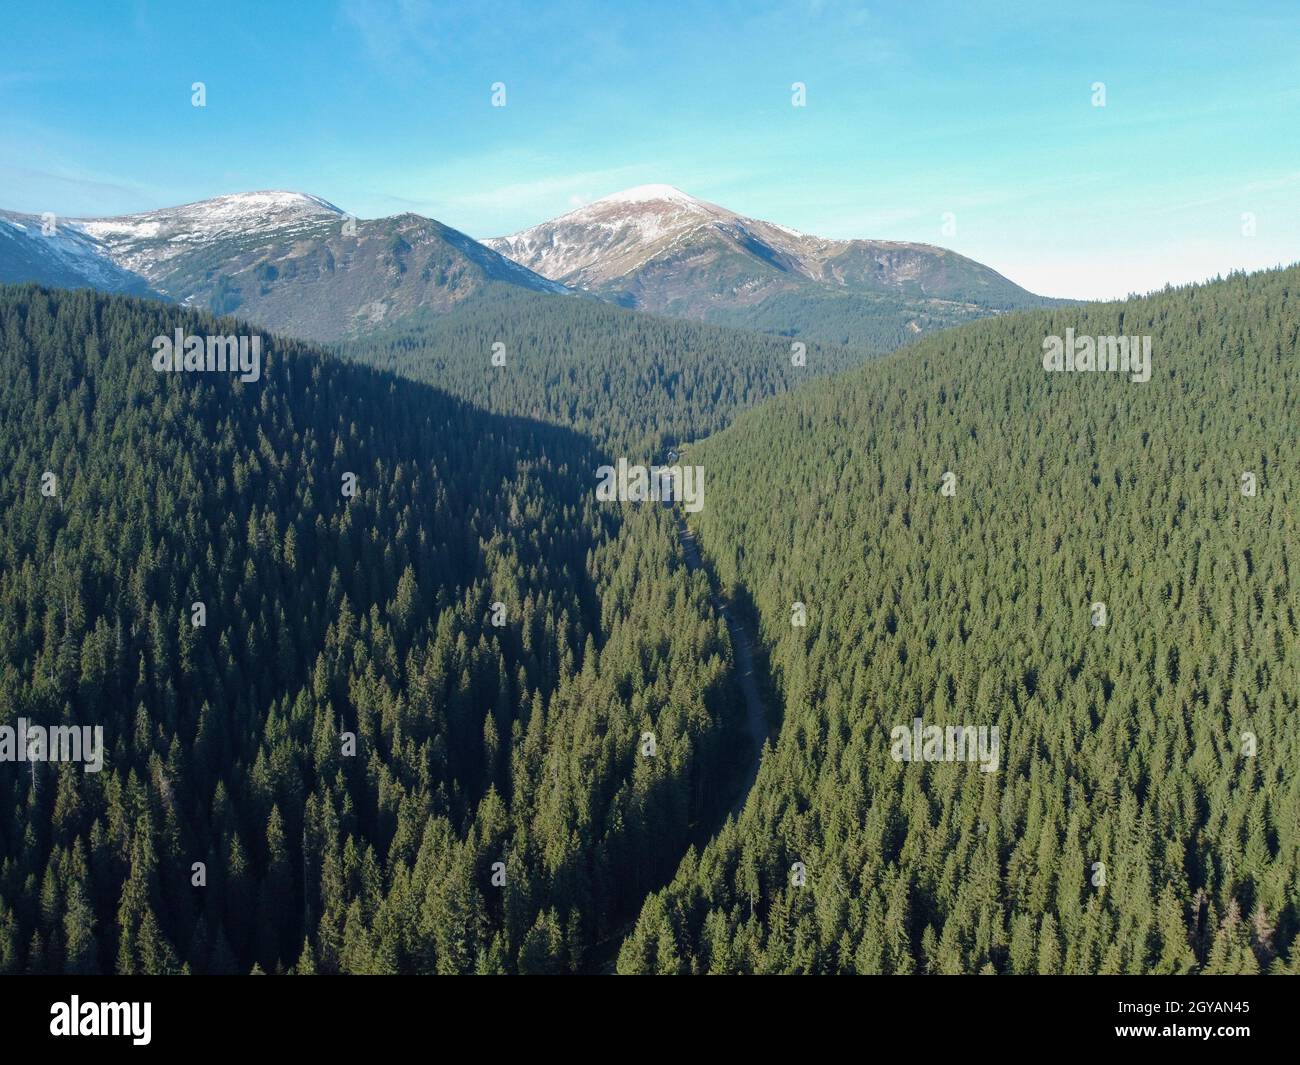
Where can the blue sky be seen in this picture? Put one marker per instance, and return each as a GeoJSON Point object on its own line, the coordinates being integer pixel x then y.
{"type": "Point", "coordinates": [914, 110]}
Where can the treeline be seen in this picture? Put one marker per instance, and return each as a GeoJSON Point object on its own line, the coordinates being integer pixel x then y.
{"type": "Point", "coordinates": [397, 730]}
{"type": "Point", "coordinates": [1145, 813]}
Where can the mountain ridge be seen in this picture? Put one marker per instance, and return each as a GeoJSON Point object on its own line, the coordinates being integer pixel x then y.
{"type": "Point", "coordinates": [694, 213]}
{"type": "Point", "coordinates": [656, 248]}
{"type": "Point", "coordinates": [288, 261]}
{"type": "Point", "coordinates": [297, 263]}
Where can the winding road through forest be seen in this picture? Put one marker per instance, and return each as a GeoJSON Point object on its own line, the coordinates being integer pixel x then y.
{"type": "Point", "coordinates": [601, 957]}
{"type": "Point", "coordinates": [755, 718]}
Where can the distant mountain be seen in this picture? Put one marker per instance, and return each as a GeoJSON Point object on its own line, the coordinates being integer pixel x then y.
{"type": "Point", "coordinates": [285, 260]}
{"type": "Point", "coordinates": [298, 264]}
{"type": "Point", "coordinates": [62, 256]}
{"type": "Point", "coordinates": [656, 248]}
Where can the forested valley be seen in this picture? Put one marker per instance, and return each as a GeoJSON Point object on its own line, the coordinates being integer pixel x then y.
{"type": "Point", "coordinates": [466, 719]}
{"type": "Point", "coordinates": [409, 733]}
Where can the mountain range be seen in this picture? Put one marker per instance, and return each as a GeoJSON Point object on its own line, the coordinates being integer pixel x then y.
{"type": "Point", "coordinates": [284, 260]}
{"type": "Point", "coordinates": [298, 264]}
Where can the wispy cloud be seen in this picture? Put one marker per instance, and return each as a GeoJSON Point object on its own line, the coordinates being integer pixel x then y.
{"type": "Point", "coordinates": [395, 34]}
{"type": "Point", "coordinates": [73, 192]}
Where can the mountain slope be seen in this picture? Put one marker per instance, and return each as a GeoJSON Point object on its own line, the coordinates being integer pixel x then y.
{"type": "Point", "coordinates": [635, 383]}
{"type": "Point", "coordinates": [145, 243]}
{"type": "Point", "coordinates": [287, 261]}
{"type": "Point", "coordinates": [389, 692]}
{"type": "Point", "coordinates": [59, 255]}
{"type": "Point", "coordinates": [1144, 812]}
{"type": "Point", "coordinates": [656, 248]}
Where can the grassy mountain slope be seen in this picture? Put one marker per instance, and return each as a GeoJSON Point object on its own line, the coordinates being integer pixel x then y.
{"type": "Point", "coordinates": [324, 284]}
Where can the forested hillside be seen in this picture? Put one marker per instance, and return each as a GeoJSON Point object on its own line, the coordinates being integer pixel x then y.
{"type": "Point", "coordinates": [348, 743]}
{"type": "Point", "coordinates": [1144, 816]}
{"type": "Point", "coordinates": [633, 382]}
{"type": "Point", "coordinates": [873, 323]}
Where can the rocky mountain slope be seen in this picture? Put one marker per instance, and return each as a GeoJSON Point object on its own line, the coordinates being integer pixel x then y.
{"type": "Point", "coordinates": [656, 248]}
{"type": "Point", "coordinates": [285, 260]}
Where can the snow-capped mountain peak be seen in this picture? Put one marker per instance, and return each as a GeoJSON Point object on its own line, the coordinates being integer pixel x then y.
{"type": "Point", "coordinates": [141, 242]}
{"type": "Point", "coordinates": [284, 259]}
{"type": "Point", "coordinates": [222, 214]}
{"type": "Point", "coordinates": [650, 194]}
{"type": "Point", "coordinates": [612, 236]}
{"type": "Point", "coordinates": [654, 209]}
{"type": "Point", "coordinates": [658, 248]}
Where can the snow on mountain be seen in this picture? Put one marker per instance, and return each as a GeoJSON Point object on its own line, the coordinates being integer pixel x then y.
{"type": "Point", "coordinates": [651, 194]}
{"type": "Point", "coordinates": [144, 242]}
{"type": "Point", "coordinates": [612, 236]}
{"type": "Point", "coordinates": [58, 252]}
{"type": "Point", "coordinates": [286, 260]}
{"type": "Point", "coordinates": [133, 252]}
{"type": "Point", "coordinates": [617, 235]}
{"type": "Point", "coordinates": [659, 248]}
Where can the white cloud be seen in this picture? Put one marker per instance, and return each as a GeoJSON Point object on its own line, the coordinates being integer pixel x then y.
{"type": "Point", "coordinates": [394, 33]}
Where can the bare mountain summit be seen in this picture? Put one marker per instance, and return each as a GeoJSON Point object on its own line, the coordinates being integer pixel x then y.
{"type": "Point", "coordinates": [657, 248]}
